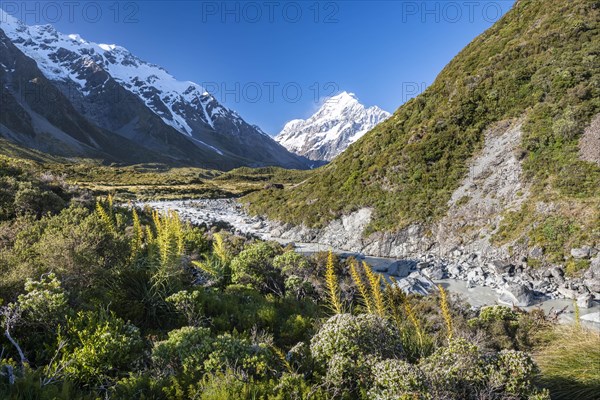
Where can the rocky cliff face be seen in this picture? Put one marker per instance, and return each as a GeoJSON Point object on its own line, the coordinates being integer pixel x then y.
{"type": "Point", "coordinates": [338, 123]}
{"type": "Point", "coordinates": [142, 102]}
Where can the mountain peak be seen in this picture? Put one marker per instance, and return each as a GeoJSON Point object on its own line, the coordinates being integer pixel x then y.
{"type": "Point", "coordinates": [339, 122]}
{"type": "Point", "coordinates": [339, 102]}
{"type": "Point", "coordinates": [342, 96]}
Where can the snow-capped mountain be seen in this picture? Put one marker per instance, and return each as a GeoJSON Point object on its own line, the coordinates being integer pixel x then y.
{"type": "Point", "coordinates": [340, 121]}
{"type": "Point", "coordinates": [98, 78]}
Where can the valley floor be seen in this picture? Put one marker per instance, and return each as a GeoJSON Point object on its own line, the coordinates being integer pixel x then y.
{"type": "Point", "coordinates": [101, 299]}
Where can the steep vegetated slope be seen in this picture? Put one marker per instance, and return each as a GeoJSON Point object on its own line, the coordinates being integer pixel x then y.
{"type": "Point", "coordinates": [537, 68]}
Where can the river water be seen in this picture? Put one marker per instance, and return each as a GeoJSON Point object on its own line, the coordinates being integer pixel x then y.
{"type": "Point", "coordinates": [230, 212]}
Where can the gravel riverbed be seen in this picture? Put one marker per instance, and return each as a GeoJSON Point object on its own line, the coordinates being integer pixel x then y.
{"type": "Point", "coordinates": [501, 283]}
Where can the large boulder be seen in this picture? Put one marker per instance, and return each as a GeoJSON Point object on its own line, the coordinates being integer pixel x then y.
{"type": "Point", "coordinates": [401, 268]}
{"type": "Point", "coordinates": [591, 278]}
{"type": "Point", "coordinates": [554, 274]}
{"type": "Point", "coordinates": [501, 267]}
{"type": "Point", "coordinates": [567, 292]}
{"type": "Point", "coordinates": [557, 272]}
{"type": "Point", "coordinates": [592, 317]}
{"type": "Point", "coordinates": [544, 286]}
{"type": "Point", "coordinates": [581, 252]}
{"type": "Point", "coordinates": [585, 301]}
{"type": "Point", "coordinates": [536, 252]}
{"type": "Point", "coordinates": [517, 294]}
{"type": "Point", "coordinates": [476, 276]}
{"type": "Point", "coordinates": [454, 270]}
{"type": "Point", "coordinates": [416, 283]}
{"type": "Point", "coordinates": [434, 272]}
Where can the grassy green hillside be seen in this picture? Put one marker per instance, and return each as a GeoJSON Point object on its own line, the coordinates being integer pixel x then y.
{"type": "Point", "coordinates": [10, 149]}
{"type": "Point", "coordinates": [540, 62]}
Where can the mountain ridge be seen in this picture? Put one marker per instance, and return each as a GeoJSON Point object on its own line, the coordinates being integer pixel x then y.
{"type": "Point", "coordinates": [100, 80]}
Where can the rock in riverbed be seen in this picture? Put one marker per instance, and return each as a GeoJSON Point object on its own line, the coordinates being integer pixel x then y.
{"type": "Point", "coordinates": [592, 276]}
{"type": "Point", "coordinates": [502, 267]}
{"type": "Point", "coordinates": [585, 301]}
{"type": "Point", "coordinates": [592, 317]}
{"type": "Point", "coordinates": [434, 272]}
{"type": "Point", "coordinates": [401, 268]}
{"type": "Point", "coordinates": [416, 283]}
{"type": "Point", "coordinates": [517, 294]}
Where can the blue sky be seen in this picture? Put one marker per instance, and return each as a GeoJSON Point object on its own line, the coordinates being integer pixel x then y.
{"type": "Point", "coordinates": [273, 61]}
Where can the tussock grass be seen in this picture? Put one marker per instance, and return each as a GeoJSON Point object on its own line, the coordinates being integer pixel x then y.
{"type": "Point", "coordinates": [570, 363]}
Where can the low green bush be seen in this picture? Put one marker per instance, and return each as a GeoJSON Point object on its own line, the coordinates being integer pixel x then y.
{"type": "Point", "coordinates": [254, 267]}
{"type": "Point", "coordinates": [96, 347]}
{"type": "Point", "coordinates": [346, 347]}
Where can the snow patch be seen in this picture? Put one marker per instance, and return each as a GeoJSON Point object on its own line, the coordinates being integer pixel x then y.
{"type": "Point", "coordinates": [76, 38]}
{"type": "Point", "coordinates": [213, 148]}
{"type": "Point", "coordinates": [107, 47]}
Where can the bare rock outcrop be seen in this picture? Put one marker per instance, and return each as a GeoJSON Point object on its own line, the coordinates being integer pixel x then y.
{"type": "Point", "coordinates": [589, 144]}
